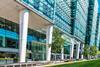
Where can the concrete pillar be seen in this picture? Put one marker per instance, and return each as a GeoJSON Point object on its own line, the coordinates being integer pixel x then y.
{"type": "Point", "coordinates": [72, 48]}
{"type": "Point", "coordinates": [24, 17]}
{"type": "Point", "coordinates": [82, 49]}
{"type": "Point", "coordinates": [77, 50]}
{"type": "Point", "coordinates": [48, 42]}
{"type": "Point", "coordinates": [62, 52]}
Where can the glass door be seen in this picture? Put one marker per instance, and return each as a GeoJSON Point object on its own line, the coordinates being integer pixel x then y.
{"type": "Point", "coordinates": [38, 51]}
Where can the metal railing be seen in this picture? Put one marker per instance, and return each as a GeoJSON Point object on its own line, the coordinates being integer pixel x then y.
{"type": "Point", "coordinates": [57, 56]}
{"type": "Point", "coordinates": [18, 65]}
{"type": "Point", "coordinates": [28, 64]}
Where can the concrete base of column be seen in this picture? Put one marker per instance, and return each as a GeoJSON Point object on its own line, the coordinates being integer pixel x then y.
{"type": "Point", "coordinates": [82, 57]}
{"type": "Point", "coordinates": [48, 54]}
{"type": "Point", "coordinates": [82, 49]}
{"type": "Point", "coordinates": [78, 51]}
{"type": "Point", "coordinates": [62, 53]}
{"type": "Point", "coordinates": [71, 51]}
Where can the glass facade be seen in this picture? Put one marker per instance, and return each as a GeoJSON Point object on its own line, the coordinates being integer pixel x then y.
{"type": "Point", "coordinates": [97, 35]}
{"type": "Point", "coordinates": [38, 51]}
{"type": "Point", "coordinates": [79, 18]}
{"type": "Point", "coordinates": [46, 7]}
{"type": "Point", "coordinates": [62, 15]}
{"type": "Point", "coordinates": [56, 10]}
{"type": "Point", "coordinates": [9, 35]}
{"type": "Point", "coordinates": [91, 22]}
{"type": "Point", "coordinates": [92, 41]}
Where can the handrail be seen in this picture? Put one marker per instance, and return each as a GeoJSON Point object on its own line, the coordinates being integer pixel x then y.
{"type": "Point", "coordinates": [18, 65]}
{"type": "Point", "coordinates": [27, 64]}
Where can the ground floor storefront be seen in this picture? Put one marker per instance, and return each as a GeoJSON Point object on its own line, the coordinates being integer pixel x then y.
{"type": "Point", "coordinates": [29, 35]}
{"type": "Point", "coordinates": [36, 48]}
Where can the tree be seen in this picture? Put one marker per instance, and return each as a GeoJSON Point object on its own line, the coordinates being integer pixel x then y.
{"type": "Point", "coordinates": [89, 51]}
{"type": "Point", "coordinates": [93, 51]}
{"type": "Point", "coordinates": [58, 41]}
{"type": "Point", "coordinates": [86, 51]}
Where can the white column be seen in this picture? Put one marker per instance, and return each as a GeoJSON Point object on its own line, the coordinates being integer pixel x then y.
{"type": "Point", "coordinates": [24, 17]}
{"type": "Point", "coordinates": [62, 52]}
{"type": "Point", "coordinates": [48, 42]}
{"type": "Point", "coordinates": [77, 50]}
{"type": "Point", "coordinates": [82, 49]}
{"type": "Point", "coordinates": [72, 48]}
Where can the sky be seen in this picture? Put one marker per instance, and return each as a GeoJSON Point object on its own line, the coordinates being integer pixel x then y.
{"type": "Point", "coordinates": [99, 5]}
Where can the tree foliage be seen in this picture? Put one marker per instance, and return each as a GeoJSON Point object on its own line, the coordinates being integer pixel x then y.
{"type": "Point", "coordinates": [86, 51]}
{"type": "Point", "coordinates": [93, 51]}
{"type": "Point", "coordinates": [89, 51]}
{"type": "Point", "coordinates": [58, 41]}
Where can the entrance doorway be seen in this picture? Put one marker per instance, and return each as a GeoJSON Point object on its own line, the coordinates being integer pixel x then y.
{"type": "Point", "coordinates": [38, 51]}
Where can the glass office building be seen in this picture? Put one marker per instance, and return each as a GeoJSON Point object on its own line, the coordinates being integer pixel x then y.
{"type": "Point", "coordinates": [95, 14]}
{"type": "Point", "coordinates": [79, 18]}
{"type": "Point", "coordinates": [79, 13]}
{"type": "Point", "coordinates": [97, 40]}
{"type": "Point", "coordinates": [57, 12]}
{"type": "Point", "coordinates": [69, 16]}
{"type": "Point", "coordinates": [97, 35]}
{"type": "Point", "coordinates": [62, 15]}
{"type": "Point", "coordinates": [91, 22]}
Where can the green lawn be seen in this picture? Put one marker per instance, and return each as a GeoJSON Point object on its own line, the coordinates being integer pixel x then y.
{"type": "Point", "coordinates": [93, 63]}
